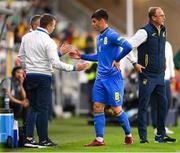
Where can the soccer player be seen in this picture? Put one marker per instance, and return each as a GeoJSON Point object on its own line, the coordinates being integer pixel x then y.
{"type": "Point", "coordinates": [108, 87]}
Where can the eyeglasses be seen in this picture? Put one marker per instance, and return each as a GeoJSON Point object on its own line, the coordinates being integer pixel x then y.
{"type": "Point", "coordinates": [160, 16]}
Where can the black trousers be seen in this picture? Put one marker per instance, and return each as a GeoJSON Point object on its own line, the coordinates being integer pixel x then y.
{"type": "Point", "coordinates": [40, 97]}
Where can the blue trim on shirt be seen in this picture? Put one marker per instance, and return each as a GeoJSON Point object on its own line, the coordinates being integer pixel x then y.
{"type": "Point", "coordinates": [59, 53]}
{"type": "Point", "coordinates": [38, 29]}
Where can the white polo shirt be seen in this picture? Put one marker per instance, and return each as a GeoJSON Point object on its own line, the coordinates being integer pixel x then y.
{"type": "Point", "coordinates": [38, 53]}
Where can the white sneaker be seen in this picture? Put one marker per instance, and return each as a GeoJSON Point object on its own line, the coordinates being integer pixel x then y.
{"type": "Point", "coordinates": [155, 131]}
{"type": "Point", "coordinates": [169, 131]}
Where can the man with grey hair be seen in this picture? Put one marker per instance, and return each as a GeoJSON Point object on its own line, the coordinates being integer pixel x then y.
{"type": "Point", "coordinates": [150, 43]}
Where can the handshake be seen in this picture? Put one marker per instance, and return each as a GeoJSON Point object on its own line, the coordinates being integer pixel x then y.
{"type": "Point", "coordinates": [74, 54]}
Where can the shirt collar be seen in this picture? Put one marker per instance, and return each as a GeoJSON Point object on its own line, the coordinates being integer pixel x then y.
{"type": "Point", "coordinates": [102, 32]}
{"type": "Point", "coordinates": [161, 27]}
{"type": "Point", "coordinates": [42, 30]}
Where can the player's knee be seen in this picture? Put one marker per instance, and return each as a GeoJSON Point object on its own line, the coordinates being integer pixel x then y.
{"type": "Point", "coordinates": [117, 110]}
{"type": "Point", "coordinates": [98, 107]}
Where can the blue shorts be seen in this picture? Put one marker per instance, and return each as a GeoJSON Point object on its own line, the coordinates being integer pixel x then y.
{"type": "Point", "coordinates": [109, 91]}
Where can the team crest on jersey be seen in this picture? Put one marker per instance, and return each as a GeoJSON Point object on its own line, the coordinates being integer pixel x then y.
{"type": "Point", "coordinates": [119, 38]}
{"type": "Point", "coordinates": [117, 96]}
{"type": "Point", "coordinates": [154, 34]}
{"type": "Point", "coordinates": [105, 41]}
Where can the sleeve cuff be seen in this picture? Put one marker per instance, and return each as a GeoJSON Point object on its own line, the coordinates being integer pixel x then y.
{"type": "Point", "coordinates": [134, 63]}
{"type": "Point", "coordinates": [59, 53]}
{"type": "Point", "coordinates": [82, 56]}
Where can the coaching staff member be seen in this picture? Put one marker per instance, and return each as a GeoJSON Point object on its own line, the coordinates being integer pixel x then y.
{"type": "Point", "coordinates": [38, 53]}
{"type": "Point", "coordinates": [150, 42]}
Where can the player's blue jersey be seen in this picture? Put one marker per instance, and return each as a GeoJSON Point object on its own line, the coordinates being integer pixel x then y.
{"type": "Point", "coordinates": [108, 49]}
{"type": "Point", "coordinates": [108, 87]}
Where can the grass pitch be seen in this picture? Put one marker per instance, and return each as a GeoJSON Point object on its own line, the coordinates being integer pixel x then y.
{"type": "Point", "coordinates": [72, 134]}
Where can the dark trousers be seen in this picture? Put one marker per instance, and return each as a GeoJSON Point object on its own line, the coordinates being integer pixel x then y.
{"type": "Point", "coordinates": [19, 111]}
{"type": "Point", "coordinates": [154, 103]}
{"type": "Point", "coordinates": [148, 85]}
{"type": "Point", "coordinates": [40, 97]}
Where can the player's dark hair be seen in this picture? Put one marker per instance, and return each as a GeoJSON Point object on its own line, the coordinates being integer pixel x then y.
{"type": "Point", "coordinates": [15, 69]}
{"type": "Point", "coordinates": [100, 14]}
{"type": "Point", "coordinates": [46, 19]}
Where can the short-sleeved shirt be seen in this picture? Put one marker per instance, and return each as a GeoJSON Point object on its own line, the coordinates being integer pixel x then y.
{"type": "Point", "coordinates": [9, 84]}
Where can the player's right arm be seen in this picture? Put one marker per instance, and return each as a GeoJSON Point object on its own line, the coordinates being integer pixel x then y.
{"type": "Point", "coordinates": [88, 57]}
{"type": "Point", "coordinates": [92, 57]}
